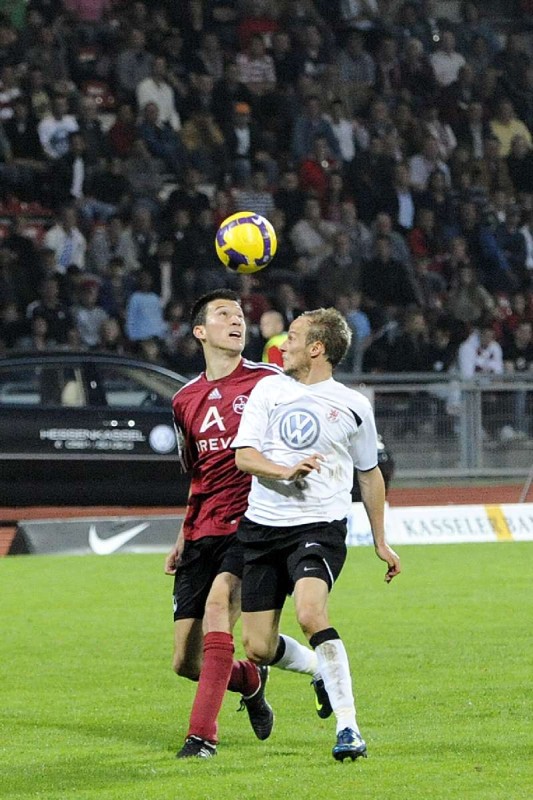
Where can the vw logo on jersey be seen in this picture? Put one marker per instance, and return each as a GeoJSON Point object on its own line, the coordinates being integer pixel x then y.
{"type": "Point", "coordinates": [299, 429]}
{"type": "Point", "coordinates": [239, 403]}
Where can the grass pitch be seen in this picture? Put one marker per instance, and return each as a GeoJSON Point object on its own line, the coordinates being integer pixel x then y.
{"type": "Point", "coordinates": [441, 661]}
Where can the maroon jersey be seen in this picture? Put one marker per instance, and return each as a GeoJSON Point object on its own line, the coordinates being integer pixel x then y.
{"type": "Point", "coordinates": [207, 416]}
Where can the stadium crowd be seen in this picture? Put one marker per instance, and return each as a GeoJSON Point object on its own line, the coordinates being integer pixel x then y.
{"type": "Point", "coordinates": [390, 146]}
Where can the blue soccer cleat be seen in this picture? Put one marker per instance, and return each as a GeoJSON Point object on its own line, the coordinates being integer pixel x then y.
{"type": "Point", "coordinates": [349, 744]}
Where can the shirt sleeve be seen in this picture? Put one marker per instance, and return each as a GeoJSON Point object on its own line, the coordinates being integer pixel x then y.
{"type": "Point", "coordinates": [364, 443]}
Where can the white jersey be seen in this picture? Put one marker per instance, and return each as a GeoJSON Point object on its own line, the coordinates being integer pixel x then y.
{"type": "Point", "coordinates": [286, 421]}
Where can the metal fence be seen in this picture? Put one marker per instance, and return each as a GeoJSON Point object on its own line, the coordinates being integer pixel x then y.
{"type": "Point", "coordinates": [436, 426]}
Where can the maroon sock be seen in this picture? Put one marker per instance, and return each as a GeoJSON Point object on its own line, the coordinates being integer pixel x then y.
{"type": "Point", "coordinates": [214, 677]}
{"type": "Point", "coordinates": [244, 678]}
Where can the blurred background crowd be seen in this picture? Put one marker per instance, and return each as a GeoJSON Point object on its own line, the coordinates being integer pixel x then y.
{"type": "Point", "coordinates": [389, 143]}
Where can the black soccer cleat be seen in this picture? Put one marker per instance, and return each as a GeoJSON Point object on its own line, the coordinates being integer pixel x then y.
{"type": "Point", "coordinates": [259, 711]}
{"type": "Point", "coordinates": [195, 747]}
{"type": "Point", "coordinates": [349, 744]}
{"type": "Point", "coordinates": [322, 704]}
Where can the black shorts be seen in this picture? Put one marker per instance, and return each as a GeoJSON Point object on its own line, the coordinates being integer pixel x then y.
{"type": "Point", "coordinates": [201, 561]}
{"type": "Point", "coordinates": [275, 558]}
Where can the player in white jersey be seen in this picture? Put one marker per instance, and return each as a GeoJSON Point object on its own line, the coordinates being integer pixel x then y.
{"type": "Point", "coordinates": [300, 436]}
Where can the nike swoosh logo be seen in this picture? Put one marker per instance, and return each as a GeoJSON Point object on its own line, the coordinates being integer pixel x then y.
{"type": "Point", "coordinates": [312, 544]}
{"type": "Point", "coordinates": [104, 547]}
{"type": "Point", "coordinates": [310, 569]}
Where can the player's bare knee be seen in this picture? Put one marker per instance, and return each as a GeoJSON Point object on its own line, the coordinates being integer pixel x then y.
{"type": "Point", "coordinates": [185, 669]}
{"type": "Point", "coordinates": [258, 651]}
{"type": "Point", "coordinates": [310, 620]}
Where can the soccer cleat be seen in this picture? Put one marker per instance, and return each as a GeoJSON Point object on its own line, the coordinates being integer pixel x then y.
{"type": "Point", "coordinates": [195, 747]}
{"type": "Point", "coordinates": [349, 744]}
{"type": "Point", "coordinates": [322, 704]}
{"type": "Point", "coordinates": [259, 711]}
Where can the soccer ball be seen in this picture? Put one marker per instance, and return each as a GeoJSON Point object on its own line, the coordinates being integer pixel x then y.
{"type": "Point", "coordinates": [246, 242]}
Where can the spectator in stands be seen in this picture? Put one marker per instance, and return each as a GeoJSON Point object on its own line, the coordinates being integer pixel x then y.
{"type": "Point", "coordinates": [483, 249]}
{"type": "Point", "coordinates": [54, 128]}
{"type": "Point", "coordinates": [308, 126]}
{"type": "Point", "coordinates": [427, 161]}
{"type": "Point", "coordinates": [145, 177]}
{"type": "Point", "coordinates": [133, 65]}
{"type": "Point", "coordinates": [49, 307]}
{"type": "Point", "coordinates": [519, 164]}
{"type": "Point", "coordinates": [242, 140]}
{"type": "Point", "coordinates": [144, 315]}
{"type": "Point", "coordinates": [339, 272]}
{"type": "Point", "coordinates": [473, 130]}
{"type": "Point", "coordinates": [115, 288]}
{"type": "Point", "coordinates": [91, 128]}
{"type": "Point", "coordinates": [66, 240]}
{"type": "Point", "coordinates": [357, 72]}
{"type": "Point", "coordinates": [512, 243]}
{"type": "Point", "coordinates": [480, 353]}
{"type": "Point", "coordinates": [203, 141]}
{"type": "Point", "coordinates": [316, 169]}
{"type": "Point", "coordinates": [312, 236]}
{"type": "Point", "coordinates": [255, 195]}
{"type": "Point", "coordinates": [505, 126]}
{"type": "Point", "coordinates": [111, 338]}
{"type": "Point", "coordinates": [416, 73]}
{"type": "Point", "coordinates": [89, 315]}
{"type": "Point", "coordinates": [49, 55]}
{"type": "Point", "coordinates": [400, 201]}
{"type": "Point", "coordinates": [468, 301]}
{"type": "Point", "coordinates": [382, 226]}
{"type": "Point", "coordinates": [446, 61]}
{"type": "Point", "coordinates": [123, 131]}
{"type": "Point", "coordinates": [272, 327]}
{"type": "Point", "coordinates": [161, 140]}
{"type": "Point", "coordinates": [473, 26]}
{"type": "Point", "coordinates": [257, 73]}
{"type": "Point", "coordinates": [155, 89]}
{"type": "Point", "coordinates": [384, 280]}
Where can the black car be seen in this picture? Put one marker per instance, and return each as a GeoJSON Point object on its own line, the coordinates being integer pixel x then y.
{"type": "Point", "coordinates": [87, 429]}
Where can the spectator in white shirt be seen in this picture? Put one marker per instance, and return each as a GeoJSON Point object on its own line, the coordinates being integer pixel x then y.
{"type": "Point", "coordinates": [422, 164]}
{"type": "Point", "coordinates": [446, 61]}
{"type": "Point", "coordinates": [156, 89]}
{"type": "Point", "coordinates": [67, 241]}
{"type": "Point", "coordinates": [54, 129]}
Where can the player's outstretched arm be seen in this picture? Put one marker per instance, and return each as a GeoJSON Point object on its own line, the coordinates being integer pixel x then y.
{"type": "Point", "coordinates": [373, 497]}
{"type": "Point", "coordinates": [250, 460]}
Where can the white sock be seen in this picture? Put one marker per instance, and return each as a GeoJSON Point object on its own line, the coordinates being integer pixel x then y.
{"type": "Point", "coordinates": [297, 658]}
{"type": "Point", "coordinates": [335, 671]}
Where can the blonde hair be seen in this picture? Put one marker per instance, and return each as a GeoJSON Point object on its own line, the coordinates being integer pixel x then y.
{"type": "Point", "coordinates": [327, 325]}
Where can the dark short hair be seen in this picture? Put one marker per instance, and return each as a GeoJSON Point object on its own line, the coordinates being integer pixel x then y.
{"type": "Point", "coordinates": [199, 309]}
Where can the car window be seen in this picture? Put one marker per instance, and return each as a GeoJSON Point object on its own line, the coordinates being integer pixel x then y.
{"type": "Point", "coordinates": [136, 387]}
{"type": "Point", "coordinates": [41, 385]}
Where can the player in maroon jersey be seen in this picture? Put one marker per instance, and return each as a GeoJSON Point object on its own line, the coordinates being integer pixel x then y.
{"type": "Point", "coordinates": [207, 558]}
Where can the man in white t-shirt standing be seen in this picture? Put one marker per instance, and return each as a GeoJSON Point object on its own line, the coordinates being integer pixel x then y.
{"type": "Point", "coordinates": [300, 436]}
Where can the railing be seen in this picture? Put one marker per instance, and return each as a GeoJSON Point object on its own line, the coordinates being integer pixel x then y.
{"type": "Point", "coordinates": [443, 426]}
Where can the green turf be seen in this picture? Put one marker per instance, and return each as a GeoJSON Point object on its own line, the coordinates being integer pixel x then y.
{"type": "Point", "coordinates": [441, 660]}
